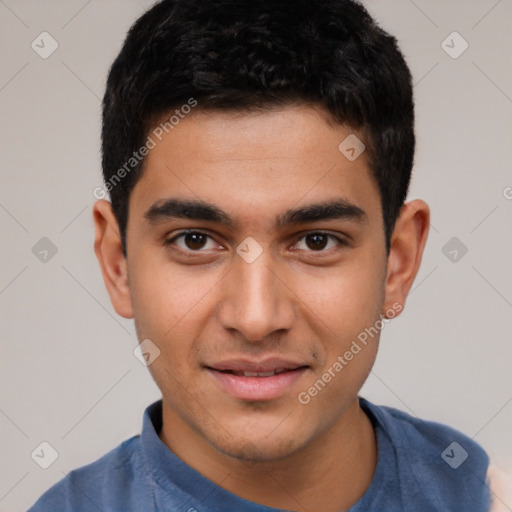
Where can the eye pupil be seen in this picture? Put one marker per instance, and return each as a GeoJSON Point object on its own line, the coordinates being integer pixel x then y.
{"type": "Point", "coordinates": [194, 240]}
{"type": "Point", "coordinates": [317, 237]}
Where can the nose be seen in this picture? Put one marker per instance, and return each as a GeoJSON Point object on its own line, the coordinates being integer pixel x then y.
{"type": "Point", "coordinates": [256, 299]}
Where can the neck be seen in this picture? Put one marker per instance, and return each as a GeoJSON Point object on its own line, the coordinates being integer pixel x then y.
{"type": "Point", "coordinates": [328, 475]}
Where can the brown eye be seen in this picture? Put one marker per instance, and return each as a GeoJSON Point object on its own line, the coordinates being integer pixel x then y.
{"type": "Point", "coordinates": [193, 241]}
{"type": "Point", "coordinates": [318, 241]}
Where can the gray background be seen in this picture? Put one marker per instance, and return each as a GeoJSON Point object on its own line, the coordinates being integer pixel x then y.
{"type": "Point", "coordinates": [68, 373]}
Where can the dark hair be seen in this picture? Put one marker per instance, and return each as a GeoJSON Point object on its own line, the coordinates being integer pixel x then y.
{"type": "Point", "coordinates": [253, 55]}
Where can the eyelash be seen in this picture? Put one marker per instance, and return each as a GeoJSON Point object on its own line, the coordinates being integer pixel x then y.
{"type": "Point", "coordinates": [341, 242]}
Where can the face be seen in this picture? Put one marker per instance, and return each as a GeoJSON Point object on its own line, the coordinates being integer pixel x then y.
{"type": "Point", "coordinates": [256, 290]}
{"type": "Point", "coordinates": [294, 300]}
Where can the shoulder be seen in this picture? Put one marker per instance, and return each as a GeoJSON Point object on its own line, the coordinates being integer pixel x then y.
{"type": "Point", "coordinates": [435, 462]}
{"type": "Point", "coordinates": [448, 446]}
{"type": "Point", "coordinates": [83, 489]}
{"type": "Point", "coordinates": [431, 434]}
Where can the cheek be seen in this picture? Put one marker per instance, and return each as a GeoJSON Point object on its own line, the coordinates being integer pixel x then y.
{"type": "Point", "coordinates": [342, 301]}
{"type": "Point", "coordinates": [349, 332]}
{"type": "Point", "coordinates": [166, 298]}
{"type": "Point", "coordinates": [343, 309]}
{"type": "Point", "coordinates": [171, 308]}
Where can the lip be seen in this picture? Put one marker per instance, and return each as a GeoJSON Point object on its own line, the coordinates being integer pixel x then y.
{"type": "Point", "coordinates": [257, 388]}
{"type": "Point", "coordinates": [265, 365]}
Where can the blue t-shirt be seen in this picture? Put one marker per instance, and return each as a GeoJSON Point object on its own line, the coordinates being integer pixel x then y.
{"type": "Point", "coordinates": [422, 466]}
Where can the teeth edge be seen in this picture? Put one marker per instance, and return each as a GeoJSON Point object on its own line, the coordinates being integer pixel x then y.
{"type": "Point", "coordinates": [277, 371]}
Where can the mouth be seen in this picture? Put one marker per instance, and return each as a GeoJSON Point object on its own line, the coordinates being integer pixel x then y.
{"type": "Point", "coordinates": [256, 382]}
{"type": "Point", "coordinates": [271, 373]}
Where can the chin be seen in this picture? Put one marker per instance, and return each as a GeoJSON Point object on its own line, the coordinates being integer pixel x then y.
{"type": "Point", "coordinates": [252, 448]}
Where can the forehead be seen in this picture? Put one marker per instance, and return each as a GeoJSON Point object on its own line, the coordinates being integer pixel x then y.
{"type": "Point", "coordinates": [257, 162]}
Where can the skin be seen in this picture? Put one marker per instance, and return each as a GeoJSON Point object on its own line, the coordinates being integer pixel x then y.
{"type": "Point", "coordinates": [294, 301]}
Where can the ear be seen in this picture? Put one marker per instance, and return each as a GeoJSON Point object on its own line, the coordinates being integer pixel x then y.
{"type": "Point", "coordinates": [406, 250]}
{"type": "Point", "coordinates": [109, 251]}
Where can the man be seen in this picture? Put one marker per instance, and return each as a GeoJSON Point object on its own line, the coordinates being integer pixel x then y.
{"type": "Point", "coordinates": [258, 156]}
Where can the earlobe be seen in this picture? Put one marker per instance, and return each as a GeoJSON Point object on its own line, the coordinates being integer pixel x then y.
{"type": "Point", "coordinates": [108, 249]}
{"type": "Point", "coordinates": [406, 250]}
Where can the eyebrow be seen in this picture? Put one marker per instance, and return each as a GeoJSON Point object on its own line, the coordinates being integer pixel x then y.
{"type": "Point", "coordinates": [174, 208]}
